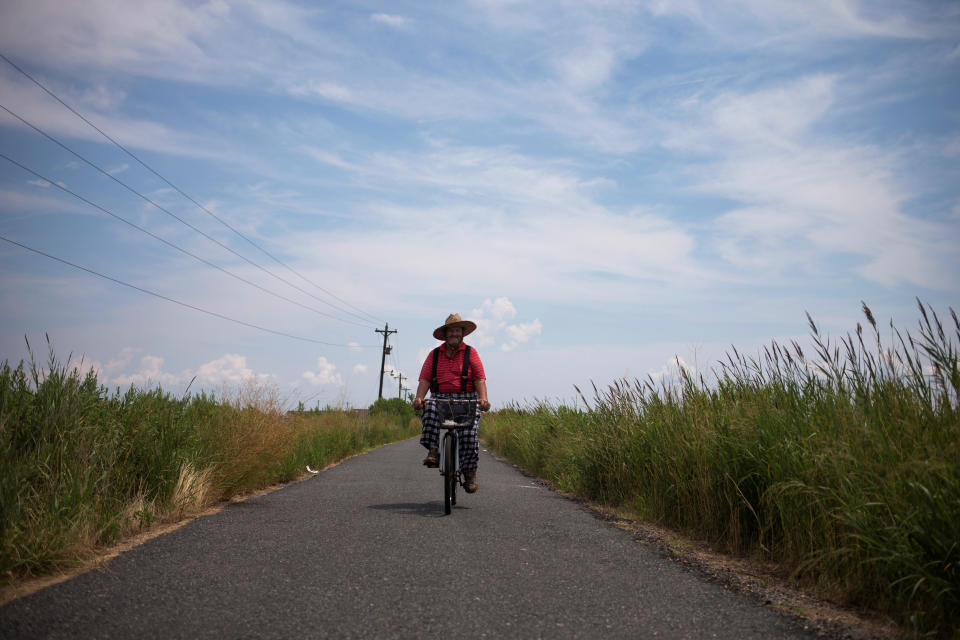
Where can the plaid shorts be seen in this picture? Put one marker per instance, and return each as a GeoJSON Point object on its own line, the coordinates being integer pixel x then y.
{"type": "Point", "coordinates": [467, 443]}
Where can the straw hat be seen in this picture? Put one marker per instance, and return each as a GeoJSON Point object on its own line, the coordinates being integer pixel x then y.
{"type": "Point", "coordinates": [453, 320]}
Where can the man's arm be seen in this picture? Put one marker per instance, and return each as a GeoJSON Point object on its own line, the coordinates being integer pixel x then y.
{"type": "Point", "coordinates": [422, 389]}
{"type": "Point", "coordinates": [481, 386]}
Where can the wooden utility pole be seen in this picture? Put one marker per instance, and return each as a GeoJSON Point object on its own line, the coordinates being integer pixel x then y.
{"type": "Point", "coordinates": [383, 360]}
{"type": "Point", "coordinates": [400, 388]}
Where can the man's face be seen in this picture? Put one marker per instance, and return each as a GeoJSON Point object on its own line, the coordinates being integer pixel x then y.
{"type": "Point", "coordinates": [454, 336]}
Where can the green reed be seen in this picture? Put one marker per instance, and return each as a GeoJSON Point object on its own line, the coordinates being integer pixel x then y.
{"type": "Point", "coordinates": [83, 467]}
{"type": "Point", "coordinates": [841, 465]}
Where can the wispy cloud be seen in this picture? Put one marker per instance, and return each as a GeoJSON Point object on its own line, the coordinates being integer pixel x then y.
{"type": "Point", "coordinates": [397, 22]}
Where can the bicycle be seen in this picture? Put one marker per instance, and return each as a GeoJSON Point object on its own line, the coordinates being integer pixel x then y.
{"type": "Point", "coordinates": [454, 415]}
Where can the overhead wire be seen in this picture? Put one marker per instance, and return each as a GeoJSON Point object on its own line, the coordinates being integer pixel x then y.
{"type": "Point", "coordinates": [176, 217]}
{"type": "Point", "coordinates": [178, 190]}
{"type": "Point", "coordinates": [175, 301]}
{"type": "Point", "coordinates": [170, 244]}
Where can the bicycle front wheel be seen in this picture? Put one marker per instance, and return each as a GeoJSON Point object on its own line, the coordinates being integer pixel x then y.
{"type": "Point", "coordinates": [449, 473]}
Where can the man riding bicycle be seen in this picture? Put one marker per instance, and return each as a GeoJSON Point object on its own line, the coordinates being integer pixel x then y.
{"type": "Point", "coordinates": [453, 370]}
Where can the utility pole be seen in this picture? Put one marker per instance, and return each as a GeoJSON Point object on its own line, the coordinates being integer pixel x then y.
{"type": "Point", "coordinates": [400, 389]}
{"type": "Point", "coordinates": [383, 360]}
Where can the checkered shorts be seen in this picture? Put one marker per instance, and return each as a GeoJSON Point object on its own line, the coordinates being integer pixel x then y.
{"type": "Point", "coordinates": [467, 443]}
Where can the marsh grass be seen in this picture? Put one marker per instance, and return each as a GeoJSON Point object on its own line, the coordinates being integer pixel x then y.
{"type": "Point", "coordinates": [842, 466]}
{"type": "Point", "coordinates": [83, 467]}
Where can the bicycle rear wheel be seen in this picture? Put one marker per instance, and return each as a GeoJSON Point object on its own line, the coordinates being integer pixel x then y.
{"type": "Point", "coordinates": [449, 473]}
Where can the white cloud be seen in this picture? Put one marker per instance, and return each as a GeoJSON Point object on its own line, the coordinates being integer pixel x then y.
{"type": "Point", "coordinates": [490, 317]}
{"type": "Point", "coordinates": [39, 183]}
{"type": "Point", "coordinates": [107, 34]}
{"type": "Point", "coordinates": [671, 371]}
{"type": "Point", "coordinates": [150, 374]}
{"type": "Point", "coordinates": [359, 368]}
{"type": "Point", "coordinates": [84, 366]}
{"type": "Point", "coordinates": [587, 68]}
{"type": "Point", "coordinates": [765, 23]}
{"type": "Point", "coordinates": [23, 97]}
{"type": "Point", "coordinates": [326, 157]}
{"type": "Point", "coordinates": [397, 22]}
{"type": "Point", "coordinates": [123, 359]}
{"type": "Point", "coordinates": [229, 369]}
{"type": "Point", "coordinates": [24, 201]}
{"type": "Point", "coordinates": [806, 198]}
{"type": "Point", "coordinates": [534, 217]}
{"type": "Point", "coordinates": [323, 89]}
{"type": "Point", "coordinates": [326, 373]}
{"type": "Point", "coordinates": [520, 333]}
{"type": "Point", "coordinates": [776, 115]}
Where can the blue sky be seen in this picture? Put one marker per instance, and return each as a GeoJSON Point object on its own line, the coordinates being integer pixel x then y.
{"type": "Point", "coordinates": [603, 186]}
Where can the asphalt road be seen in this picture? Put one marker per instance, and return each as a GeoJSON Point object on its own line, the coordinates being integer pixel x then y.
{"type": "Point", "coordinates": [362, 550]}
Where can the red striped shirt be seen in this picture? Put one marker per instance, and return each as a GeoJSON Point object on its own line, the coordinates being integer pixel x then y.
{"type": "Point", "coordinates": [449, 369]}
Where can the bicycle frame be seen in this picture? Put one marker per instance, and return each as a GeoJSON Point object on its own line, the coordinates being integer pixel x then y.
{"type": "Point", "coordinates": [455, 414]}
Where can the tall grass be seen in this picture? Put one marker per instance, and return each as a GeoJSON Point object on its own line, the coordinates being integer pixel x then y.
{"type": "Point", "coordinates": [843, 465]}
{"type": "Point", "coordinates": [83, 467]}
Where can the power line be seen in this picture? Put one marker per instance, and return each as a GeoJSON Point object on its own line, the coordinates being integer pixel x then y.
{"type": "Point", "coordinates": [182, 304]}
{"type": "Point", "coordinates": [171, 244]}
{"type": "Point", "coordinates": [178, 190]}
{"type": "Point", "coordinates": [172, 215]}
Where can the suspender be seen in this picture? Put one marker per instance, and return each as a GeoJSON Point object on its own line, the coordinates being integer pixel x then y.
{"type": "Point", "coordinates": [466, 368]}
{"type": "Point", "coordinates": [435, 385]}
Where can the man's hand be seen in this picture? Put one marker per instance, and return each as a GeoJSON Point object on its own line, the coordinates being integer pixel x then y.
{"type": "Point", "coordinates": [417, 404]}
{"type": "Point", "coordinates": [484, 405]}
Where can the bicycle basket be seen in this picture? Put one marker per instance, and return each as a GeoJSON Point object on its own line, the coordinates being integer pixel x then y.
{"type": "Point", "coordinates": [461, 414]}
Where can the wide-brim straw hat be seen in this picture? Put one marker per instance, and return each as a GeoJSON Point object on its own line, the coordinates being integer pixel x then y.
{"type": "Point", "coordinates": [453, 320]}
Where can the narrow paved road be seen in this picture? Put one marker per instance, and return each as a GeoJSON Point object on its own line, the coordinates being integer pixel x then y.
{"type": "Point", "coordinates": [363, 551]}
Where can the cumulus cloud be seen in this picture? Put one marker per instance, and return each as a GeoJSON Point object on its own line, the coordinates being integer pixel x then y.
{"type": "Point", "coordinates": [124, 358]}
{"type": "Point", "coordinates": [149, 374]}
{"type": "Point", "coordinates": [492, 318]}
{"type": "Point", "coordinates": [672, 371]}
{"type": "Point", "coordinates": [84, 367]}
{"type": "Point", "coordinates": [520, 333]}
{"type": "Point", "coordinates": [325, 374]}
{"type": "Point", "coordinates": [497, 310]}
{"type": "Point", "coordinates": [229, 370]}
